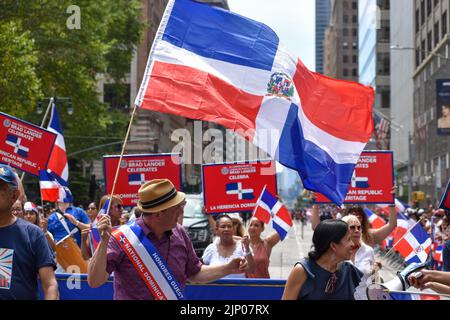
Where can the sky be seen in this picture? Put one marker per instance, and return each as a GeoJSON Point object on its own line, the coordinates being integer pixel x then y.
{"type": "Point", "coordinates": [292, 20]}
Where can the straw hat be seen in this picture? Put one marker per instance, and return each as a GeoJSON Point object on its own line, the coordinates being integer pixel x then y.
{"type": "Point", "coordinates": [158, 195]}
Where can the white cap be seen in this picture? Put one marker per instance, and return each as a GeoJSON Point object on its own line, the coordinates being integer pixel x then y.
{"type": "Point", "coordinates": [30, 206]}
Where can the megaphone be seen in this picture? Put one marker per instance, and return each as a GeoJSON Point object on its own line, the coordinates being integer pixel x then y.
{"type": "Point", "coordinates": [380, 291]}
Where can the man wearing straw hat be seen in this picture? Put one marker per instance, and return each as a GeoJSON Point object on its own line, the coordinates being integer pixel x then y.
{"type": "Point", "coordinates": [153, 257]}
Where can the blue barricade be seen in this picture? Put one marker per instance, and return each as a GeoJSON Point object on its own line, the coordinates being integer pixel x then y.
{"type": "Point", "coordinates": [75, 287]}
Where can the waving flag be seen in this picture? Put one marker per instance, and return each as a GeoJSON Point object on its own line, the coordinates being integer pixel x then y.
{"type": "Point", "coordinates": [94, 234]}
{"type": "Point", "coordinates": [415, 245]}
{"type": "Point", "coordinates": [58, 158]}
{"type": "Point", "coordinates": [403, 225]}
{"type": "Point", "coordinates": [375, 221]}
{"type": "Point", "coordinates": [438, 254]}
{"type": "Point", "coordinates": [53, 188]}
{"type": "Point", "coordinates": [211, 64]}
{"type": "Point", "coordinates": [268, 207]}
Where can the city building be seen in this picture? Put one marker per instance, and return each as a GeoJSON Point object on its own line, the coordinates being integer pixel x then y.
{"type": "Point", "coordinates": [402, 92]}
{"type": "Point", "coordinates": [323, 8]}
{"type": "Point", "coordinates": [341, 41]}
{"type": "Point", "coordinates": [374, 63]}
{"type": "Point", "coordinates": [432, 62]}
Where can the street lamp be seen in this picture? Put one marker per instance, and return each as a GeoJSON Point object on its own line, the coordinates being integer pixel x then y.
{"type": "Point", "coordinates": [54, 101]}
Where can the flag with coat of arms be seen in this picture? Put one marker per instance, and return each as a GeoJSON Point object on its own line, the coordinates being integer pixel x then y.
{"type": "Point", "coordinates": [415, 245]}
{"type": "Point", "coordinates": [269, 208]}
{"type": "Point", "coordinates": [211, 64]}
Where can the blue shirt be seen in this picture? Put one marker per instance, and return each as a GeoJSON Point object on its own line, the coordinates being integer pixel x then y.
{"type": "Point", "coordinates": [348, 278]}
{"type": "Point", "coordinates": [446, 256]}
{"type": "Point", "coordinates": [23, 251]}
{"type": "Point", "coordinates": [57, 229]}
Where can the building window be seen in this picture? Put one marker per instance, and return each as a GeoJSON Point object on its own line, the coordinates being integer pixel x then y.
{"type": "Point", "coordinates": [345, 59]}
{"type": "Point", "coordinates": [355, 59]}
{"type": "Point", "coordinates": [428, 7]}
{"type": "Point", "coordinates": [354, 5]}
{"type": "Point", "coordinates": [417, 21]}
{"type": "Point", "coordinates": [354, 72]}
{"type": "Point", "coordinates": [444, 24]}
{"type": "Point", "coordinates": [345, 72]}
{"type": "Point", "coordinates": [436, 33]}
{"type": "Point", "coordinates": [430, 42]}
{"type": "Point", "coordinates": [345, 32]}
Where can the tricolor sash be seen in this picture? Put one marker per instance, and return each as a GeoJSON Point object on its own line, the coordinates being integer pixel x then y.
{"type": "Point", "coordinates": [147, 261]}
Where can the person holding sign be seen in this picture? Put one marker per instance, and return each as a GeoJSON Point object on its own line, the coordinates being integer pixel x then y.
{"type": "Point", "coordinates": [153, 257]}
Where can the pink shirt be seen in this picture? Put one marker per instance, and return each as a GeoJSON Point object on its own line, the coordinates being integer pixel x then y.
{"type": "Point", "coordinates": [261, 258]}
{"type": "Point", "coordinates": [176, 249]}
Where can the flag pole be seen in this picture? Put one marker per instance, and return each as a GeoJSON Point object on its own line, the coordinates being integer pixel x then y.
{"type": "Point", "coordinates": [390, 250]}
{"type": "Point", "coordinates": [120, 159]}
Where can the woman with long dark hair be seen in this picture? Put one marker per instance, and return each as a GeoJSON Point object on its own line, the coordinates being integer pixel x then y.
{"type": "Point", "coordinates": [325, 274]}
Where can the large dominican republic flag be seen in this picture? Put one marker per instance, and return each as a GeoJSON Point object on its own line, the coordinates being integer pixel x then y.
{"type": "Point", "coordinates": [211, 64]}
{"type": "Point", "coordinates": [58, 158]}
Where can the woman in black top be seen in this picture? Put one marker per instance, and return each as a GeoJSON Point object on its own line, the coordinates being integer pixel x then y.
{"type": "Point", "coordinates": [324, 274]}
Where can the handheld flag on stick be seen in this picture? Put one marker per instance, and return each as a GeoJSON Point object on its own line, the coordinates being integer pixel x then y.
{"type": "Point", "coordinates": [210, 64]}
{"type": "Point", "coordinates": [269, 208]}
{"type": "Point", "coordinates": [415, 245]}
{"type": "Point", "coordinates": [58, 158]}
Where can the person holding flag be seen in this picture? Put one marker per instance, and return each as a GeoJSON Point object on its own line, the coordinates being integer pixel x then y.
{"type": "Point", "coordinates": [90, 237]}
{"type": "Point", "coordinates": [438, 281]}
{"type": "Point", "coordinates": [155, 248]}
{"type": "Point", "coordinates": [261, 248]}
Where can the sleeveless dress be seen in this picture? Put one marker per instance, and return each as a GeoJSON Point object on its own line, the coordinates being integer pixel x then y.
{"type": "Point", "coordinates": [348, 278]}
{"type": "Point", "coordinates": [261, 258]}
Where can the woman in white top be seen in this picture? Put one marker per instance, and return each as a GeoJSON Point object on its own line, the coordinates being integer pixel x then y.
{"type": "Point", "coordinates": [363, 258]}
{"type": "Point", "coordinates": [227, 248]}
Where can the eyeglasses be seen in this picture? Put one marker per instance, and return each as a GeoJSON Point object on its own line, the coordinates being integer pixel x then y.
{"type": "Point", "coordinates": [355, 227]}
{"type": "Point", "coordinates": [117, 206]}
{"type": "Point", "coordinates": [331, 284]}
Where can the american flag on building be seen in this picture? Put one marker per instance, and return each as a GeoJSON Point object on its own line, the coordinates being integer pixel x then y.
{"type": "Point", "coordinates": [382, 131]}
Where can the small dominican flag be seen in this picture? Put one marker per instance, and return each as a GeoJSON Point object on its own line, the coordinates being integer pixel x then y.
{"type": "Point", "coordinates": [58, 158]}
{"type": "Point", "coordinates": [236, 188]}
{"type": "Point", "coordinates": [15, 142]}
{"type": "Point", "coordinates": [415, 245]}
{"type": "Point", "coordinates": [136, 179]}
{"type": "Point", "coordinates": [403, 225]}
{"type": "Point", "coordinates": [375, 220]}
{"type": "Point", "coordinates": [359, 182]}
{"type": "Point", "coordinates": [53, 187]}
{"type": "Point", "coordinates": [268, 207]}
{"type": "Point", "coordinates": [413, 296]}
{"type": "Point", "coordinates": [94, 234]}
{"type": "Point", "coordinates": [445, 201]}
{"type": "Point", "coordinates": [438, 254]}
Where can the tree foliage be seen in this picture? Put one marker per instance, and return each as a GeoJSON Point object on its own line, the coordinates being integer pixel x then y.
{"type": "Point", "coordinates": [44, 58]}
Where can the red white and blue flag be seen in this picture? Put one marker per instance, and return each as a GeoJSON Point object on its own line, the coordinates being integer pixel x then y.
{"type": "Point", "coordinates": [375, 221]}
{"type": "Point", "coordinates": [269, 208]}
{"type": "Point", "coordinates": [445, 201]}
{"type": "Point", "coordinates": [58, 158]}
{"type": "Point", "coordinates": [413, 296]}
{"type": "Point", "coordinates": [236, 188]}
{"type": "Point", "coordinates": [403, 225]}
{"type": "Point", "coordinates": [94, 233]}
{"type": "Point", "coordinates": [136, 179]}
{"type": "Point", "coordinates": [437, 256]}
{"type": "Point", "coordinates": [211, 64]}
{"type": "Point", "coordinates": [53, 188]}
{"type": "Point", "coordinates": [415, 245]}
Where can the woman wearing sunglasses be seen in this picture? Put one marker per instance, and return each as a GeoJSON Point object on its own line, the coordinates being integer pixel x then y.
{"type": "Point", "coordinates": [363, 257]}
{"type": "Point", "coordinates": [325, 274]}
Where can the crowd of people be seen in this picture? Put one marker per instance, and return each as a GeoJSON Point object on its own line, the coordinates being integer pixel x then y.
{"type": "Point", "coordinates": [36, 240]}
